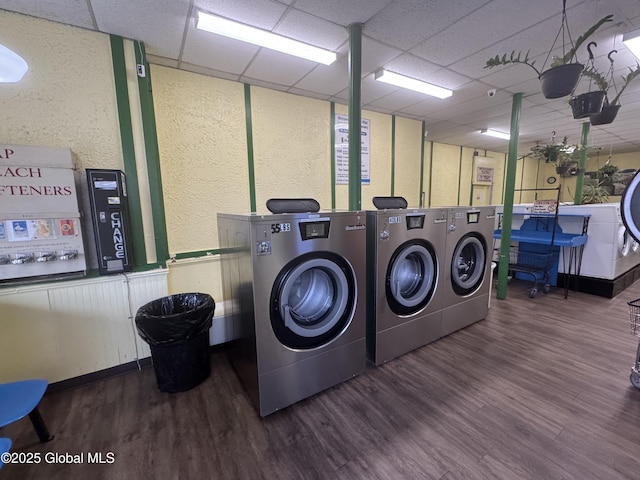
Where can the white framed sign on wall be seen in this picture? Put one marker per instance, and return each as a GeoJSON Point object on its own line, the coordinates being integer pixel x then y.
{"type": "Point", "coordinates": [342, 150]}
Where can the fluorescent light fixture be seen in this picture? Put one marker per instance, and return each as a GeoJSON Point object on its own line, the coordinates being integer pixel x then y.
{"type": "Point", "coordinates": [262, 38]}
{"type": "Point", "coordinates": [632, 42]}
{"type": "Point", "coordinates": [412, 84]}
{"type": "Point", "coordinates": [12, 66]}
{"type": "Point", "coordinates": [496, 134]}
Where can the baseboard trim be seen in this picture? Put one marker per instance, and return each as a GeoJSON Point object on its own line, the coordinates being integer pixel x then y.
{"type": "Point", "coordinates": [100, 375]}
{"type": "Point", "coordinates": [600, 286]}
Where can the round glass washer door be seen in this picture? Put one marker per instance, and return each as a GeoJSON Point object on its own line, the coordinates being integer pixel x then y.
{"type": "Point", "coordinates": [624, 241]}
{"type": "Point", "coordinates": [468, 264]}
{"type": "Point", "coordinates": [412, 277]}
{"type": "Point", "coordinates": [313, 300]}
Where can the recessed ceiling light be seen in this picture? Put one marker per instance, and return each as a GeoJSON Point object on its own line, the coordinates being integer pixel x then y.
{"type": "Point", "coordinates": [12, 66]}
{"type": "Point", "coordinates": [412, 84]}
{"type": "Point", "coordinates": [262, 38]}
{"type": "Point", "coordinates": [495, 133]}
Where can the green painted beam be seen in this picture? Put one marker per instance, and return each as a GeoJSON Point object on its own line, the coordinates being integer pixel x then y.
{"type": "Point", "coordinates": [153, 156]}
{"type": "Point", "coordinates": [459, 175]}
{"type": "Point", "coordinates": [584, 143]}
{"type": "Point", "coordinates": [510, 184]}
{"type": "Point", "coordinates": [430, 173]}
{"type": "Point", "coordinates": [355, 116]}
{"type": "Point", "coordinates": [128, 150]}
{"type": "Point", "coordinates": [421, 192]}
{"type": "Point", "coordinates": [332, 135]}
{"type": "Point", "coordinates": [393, 154]}
{"type": "Point", "coordinates": [250, 159]}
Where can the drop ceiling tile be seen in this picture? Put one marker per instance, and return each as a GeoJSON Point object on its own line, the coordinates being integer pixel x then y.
{"type": "Point", "coordinates": [263, 14]}
{"type": "Point", "coordinates": [217, 52]}
{"type": "Point", "coordinates": [140, 20]}
{"type": "Point", "coordinates": [398, 99]}
{"type": "Point", "coordinates": [341, 12]}
{"type": "Point", "coordinates": [407, 23]}
{"type": "Point", "coordinates": [411, 66]}
{"type": "Point", "coordinates": [70, 12]}
{"type": "Point", "coordinates": [482, 29]}
{"type": "Point", "coordinates": [375, 55]}
{"type": "Point", "coordinates": [311, 30]}
{"type": "Point", "coordinates": [326, 79]}
{"type": "Point", "coordinates": [278, 68]}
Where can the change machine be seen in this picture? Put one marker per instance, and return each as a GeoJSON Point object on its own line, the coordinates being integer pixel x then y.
{"type": "Point", "coordinates": [110, 211]}
{"type": "Point", "coordinates": [40, 231]}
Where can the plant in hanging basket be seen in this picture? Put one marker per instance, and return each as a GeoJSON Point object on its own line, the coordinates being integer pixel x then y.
{"type": "Point", "coordinates": [594, 194]}
{"type": "Point", "coordinates": [610, 108]}
{"type": "Point", "coordinates": [563, 74]}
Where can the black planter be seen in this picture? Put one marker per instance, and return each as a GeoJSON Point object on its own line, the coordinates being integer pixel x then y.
{"type": "Point", "coordinates": [561, 80]}
{"type": "Point", "coordinates": [552, 157]}
{"type": "Point", "coordinates": [589, 103]}
{"type": "Point", "coordinates": [606, 116]}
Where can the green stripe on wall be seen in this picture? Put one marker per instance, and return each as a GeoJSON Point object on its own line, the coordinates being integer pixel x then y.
{"type": "Point", "coordinates": [153, 157]}
{"type": "Point", "coordinates": [393, 154]}
{"type": "Point", "coordinates": [430, 173]}
{"type": "Point", "coordinates": [332, 148]}
{"type": "Point", "coordinates": [128, 151]}
{"type": "Point", "coordinates": [459, 175]}
{"type": "Point", "coordinates": [420, 196]}
{"type": "Point", "coordinates": [249, 126]}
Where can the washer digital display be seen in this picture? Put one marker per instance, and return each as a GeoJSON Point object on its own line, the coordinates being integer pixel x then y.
{"type": "Point", "coordinates": [415, 221]}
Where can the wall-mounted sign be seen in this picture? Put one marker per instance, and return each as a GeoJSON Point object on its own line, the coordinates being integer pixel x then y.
{"type": "Point", "coordinates": [483, 170]}
{"type": "Point", "coordinates": [342, 150]}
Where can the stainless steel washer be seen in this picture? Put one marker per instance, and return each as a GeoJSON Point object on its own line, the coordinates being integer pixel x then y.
{"type": "Point", "coordinates": [296, 286]}
{"type": "Point", "coordinates": [405, 255]}
{"type": "Point", "coordinates": [468, 266]}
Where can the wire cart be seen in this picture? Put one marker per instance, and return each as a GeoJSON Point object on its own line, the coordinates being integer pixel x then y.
{"type": "Point", "coordinates": [634, 316]}
{"type": "Point", "coordinates": [536, 265]}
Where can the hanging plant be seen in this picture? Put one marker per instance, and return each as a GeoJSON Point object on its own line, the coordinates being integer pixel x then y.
{"type": "Point", "coordinates": [591, 102]}
{"type": "Point", "coordinates": [564, 72]}
{"type": "Point", "coordinates": [610, 108]}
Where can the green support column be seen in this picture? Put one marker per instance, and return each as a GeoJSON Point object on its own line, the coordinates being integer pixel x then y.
{"type": "Point", "coordinates": [421, 193]}
{"type": "Point", "coordinates": [332, 136]}
{"type": "Point", "coordinates": [509, 189]}
{"type": "Point", "coordinates": [249, 127]}
{"type": "Point", "coordinates": [583, 160]}
{"type": "Point", "coordinates": [393, 154]}
{"type": "Point", "coordinates": [355, 80]}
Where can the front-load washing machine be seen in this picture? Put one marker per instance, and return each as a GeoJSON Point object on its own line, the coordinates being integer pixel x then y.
{"type": "Point", "coordinates": [296, 286]}
{"type": "Point", "coordinates": [405, 258]}
{"type": "Point", "coordinates": [468, 257]}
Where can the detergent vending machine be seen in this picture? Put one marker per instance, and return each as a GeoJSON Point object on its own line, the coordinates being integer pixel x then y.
{"type": "Point", "coordinates": [40, 230]}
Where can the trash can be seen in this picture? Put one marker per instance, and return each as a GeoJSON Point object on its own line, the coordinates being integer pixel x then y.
{"type": "Point", "coordinates": [177, 331]}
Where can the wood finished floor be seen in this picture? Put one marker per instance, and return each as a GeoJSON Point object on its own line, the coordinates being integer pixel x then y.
{"type": "Point", "coordinates": [538, 390]}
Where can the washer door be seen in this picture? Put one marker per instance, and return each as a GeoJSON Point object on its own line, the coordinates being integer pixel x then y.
{"type": "Point", "coordinates": [313, 300]}
{"type": "Point", "coordinates": [624, 241]}
{"type": "Point", "coordinates": [468, 264]}
{"type": "Point", "coordinates": [412, 276]}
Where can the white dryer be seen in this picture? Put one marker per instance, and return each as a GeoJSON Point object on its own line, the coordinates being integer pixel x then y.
{"type": "Point", "coordinates": [296, 286]}
{"type": "Point", "coordinates": [405, 258]}
{"type": "Point", "coordinates": [466, 282]}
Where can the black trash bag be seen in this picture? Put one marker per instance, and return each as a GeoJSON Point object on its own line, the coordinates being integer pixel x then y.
{"type": "Point", "coordinates": [177, 331]}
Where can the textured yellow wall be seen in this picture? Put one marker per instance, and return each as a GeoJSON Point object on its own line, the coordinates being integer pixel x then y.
{"type": "Point", "coordinates": [291, 141]}
{"type": "Point", "coordinates": [446, 174]}
{"type": "Point", "coordinates": [203, 154]}
{"type": "Point", "coordinates": [67, 98]}
{"type": "Point", "coordinates": [407, 160]}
